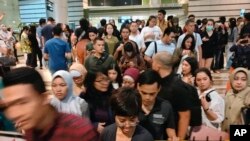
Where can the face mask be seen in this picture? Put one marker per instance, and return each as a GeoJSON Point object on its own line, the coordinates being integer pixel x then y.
{"type": "Point", "coordinates": [209, 28]}
{"type": "Point", "coordinates": [129, 53]}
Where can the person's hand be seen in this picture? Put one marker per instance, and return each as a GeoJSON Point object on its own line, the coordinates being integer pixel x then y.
{"type": "Point", "coordinates": [204, 102]}
{"type": "Point", "coordinates": [100, 127]}
{"type": "Point", "coordinates": [205, 39]}
{"type": "Point", "coordinates": [174, 139]}
{"type": "Point", "coordinates": [185, 52]}
{"type": "Point", "coordinates": [120, 48]}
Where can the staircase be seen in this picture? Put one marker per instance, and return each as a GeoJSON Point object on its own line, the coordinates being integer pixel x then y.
{"type": "Point", "coordinates": [220, 81]}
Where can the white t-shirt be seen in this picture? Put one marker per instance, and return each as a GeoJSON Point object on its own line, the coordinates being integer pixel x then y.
{"type": "Point", "coordinates": [217, 105]}
{"type": "Point", "coordinates": [197, 37]}
{"type": "Point", "coordinates": [160, 48]}
{"type": "Point", "coordinates": [138, 39]}
{"type": "Point", "coordinates": [147, 30]}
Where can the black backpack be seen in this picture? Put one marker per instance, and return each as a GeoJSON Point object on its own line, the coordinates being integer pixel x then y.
{"type": "Point", "coordinates": [196, 117]}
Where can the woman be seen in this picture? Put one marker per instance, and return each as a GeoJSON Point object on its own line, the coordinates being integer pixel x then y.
{"type": "Point", "coordinates": [126, 103]}
{"type": "Point", "coordinates": [212, 104]}
{"type": "Point", "coordinates": [235, 98]}
{"type": "Point", "coordinates": [25, 45]}
{"type": "Point", "coordinates": [64, 99]}
{"type": "Point", "coordinates": [97, 96]}
{"type": "Point", "coordinates": [151, 32]}
{"type": "Point", "coordinates": [78, 72]}
{"type": "Point", "coordinates": [109, 38]}
{"type": "Point", "coordinates": [210, 44]}
{"type": "Point", "coordinates": [189, 66]}
{"type": "Point", "coordinates": [36, 51]}
{"type": "Point", "coordinates": [114, 74]}
{"type": "Point", "coordinates": [187, 49]}
{"type": "Point", "coordinates": [131, 57]}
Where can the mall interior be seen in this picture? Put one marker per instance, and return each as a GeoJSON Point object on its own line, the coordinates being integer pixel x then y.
{"type": "Point", "coordinates": [70, 11]}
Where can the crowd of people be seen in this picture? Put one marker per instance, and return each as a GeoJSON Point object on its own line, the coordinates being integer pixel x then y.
{"type": "Point", "coordinates": [151, 82]}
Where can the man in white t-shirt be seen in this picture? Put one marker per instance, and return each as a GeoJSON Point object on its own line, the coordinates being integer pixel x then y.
{"type": "Point", "coordinates": [165, 44]}
{"type": "Point", "coordinates": [135, 36]}
{"type": "Point", "coordinates": [190, 27]}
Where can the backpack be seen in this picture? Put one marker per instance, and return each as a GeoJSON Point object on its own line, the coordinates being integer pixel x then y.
{"type": "Point", "coordinates": [196, 117]}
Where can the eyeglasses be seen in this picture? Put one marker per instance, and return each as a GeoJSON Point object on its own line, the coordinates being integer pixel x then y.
{"type": "Point", "coordinates": [129, 123]}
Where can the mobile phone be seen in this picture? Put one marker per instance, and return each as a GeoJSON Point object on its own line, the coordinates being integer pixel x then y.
{"type": "Point", "coordinates": [208, 98]}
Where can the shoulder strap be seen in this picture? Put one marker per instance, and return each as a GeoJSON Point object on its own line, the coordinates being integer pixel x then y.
{"type": "Point", "coordinates": [155, 47]}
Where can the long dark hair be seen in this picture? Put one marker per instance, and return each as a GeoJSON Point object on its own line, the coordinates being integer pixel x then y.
{"type": "Point", "coordinates": [23, 29]}
{"type": "Point", "coordinates": [149, 19]}
{"type": "Point", "coordinates": [186, 38]}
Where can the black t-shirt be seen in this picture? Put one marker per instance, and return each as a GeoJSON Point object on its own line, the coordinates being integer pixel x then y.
{"type": "Point", "coordinates": [159, 118]}
{"type": "Point", "coordinates": [140, 134]}
{"type": "Point", "coordinates": [173, 90]}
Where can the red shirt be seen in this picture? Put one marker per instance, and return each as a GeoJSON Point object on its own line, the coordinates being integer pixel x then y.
{"type": "Point", "coordinates": [65, 128]}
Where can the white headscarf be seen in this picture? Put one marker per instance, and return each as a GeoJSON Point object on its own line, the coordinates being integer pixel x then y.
{"type": "Point", "coordinates": [70, 104]}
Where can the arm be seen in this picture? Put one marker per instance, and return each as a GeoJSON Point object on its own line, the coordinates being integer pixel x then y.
{"type": "Point", "coordinates": [117, 51]}
{"type": "Point", "coordinates": [183, 123]}
{"type": "Point", "coordinates": [171, 134]}
{"type": "Point", "coordinates": [46, 56]}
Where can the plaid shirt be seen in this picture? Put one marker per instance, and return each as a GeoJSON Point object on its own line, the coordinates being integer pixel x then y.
{"type": "Point", "coordinates": [65, 128]}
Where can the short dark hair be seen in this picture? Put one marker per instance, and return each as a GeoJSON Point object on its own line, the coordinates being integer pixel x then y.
{"type": "Point", "coordinates": [125, 102]}
{"type": "Point", "coordinates": [206, 71]}
{"type": "Point", "coordinates": [193, 42]}
{"type": "Point", "coordinates": [162, 11]}
{"type": "Point", "coordinates": [189, 21]}
{"type": "Point", "coordinates": [97, 39]}
{"type": "Point", "coordinates": [50, 19]}
{"type": "Point", "coordinates": [149, 76]}
{"type": "Point", "coordinates": [170, 17]}
{"type": "Point", "coordinates": [191, 15]}
{"type": "Point", "coordinates": [93, 29]}
{"type": "Point", "coordinates": [42, 21]}
{"type": "Point", "coordinates": [24, 75]}
{"type": "Point", "coordinates": [84, 24]}
{"type": "Point", "coordinates": [168, 30]}
{"type": "Point", "coordinates": [103, 22]}
{"type": "Point", "coordinates": [222, 19]}
{"type": "Point", "coordinates": [57, 30]}
{"type": "Point", "coordinates": [124, 28]}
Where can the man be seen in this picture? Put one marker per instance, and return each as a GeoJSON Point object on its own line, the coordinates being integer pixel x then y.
{"type": "Point", "coordinates": [165, 44]}
{"type": "Point", "coordinates": [26, 104]}
{"type": "Point", "coordinates": [47, 30]}
{"type": "Point", "coordinates": [161, 22]}
{"type": "Point", "coordinates": [190, 28]}
{"type": "Point", "coordinates": [156, 114]}
{"type": "Point", "coordinates": [173, 90]}
{"type": "Point", "coordinates": [57, 51]}
{"type": "Point", "coordinates": [99, 60]}
{"type": "Point", "coordinates": [135, 36]}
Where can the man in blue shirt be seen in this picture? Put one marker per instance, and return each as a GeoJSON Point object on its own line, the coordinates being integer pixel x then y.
{"type": "Point", "coordinates": [57, 51]}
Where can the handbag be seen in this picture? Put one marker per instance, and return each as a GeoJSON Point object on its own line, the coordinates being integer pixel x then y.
{"type": "Point", "coordinates": [203, 132]}
{"type": "Point", "coordinates": [8, 61]}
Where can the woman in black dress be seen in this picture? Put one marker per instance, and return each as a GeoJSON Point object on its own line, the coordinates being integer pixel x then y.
{"type": "Point", "coordinates": [210, 43]}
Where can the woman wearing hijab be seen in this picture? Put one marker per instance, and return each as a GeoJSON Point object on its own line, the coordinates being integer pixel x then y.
{"type": "Point", "coordinates": [64, 100]}
{"type": "Point", "coordinates": [236, 98]}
